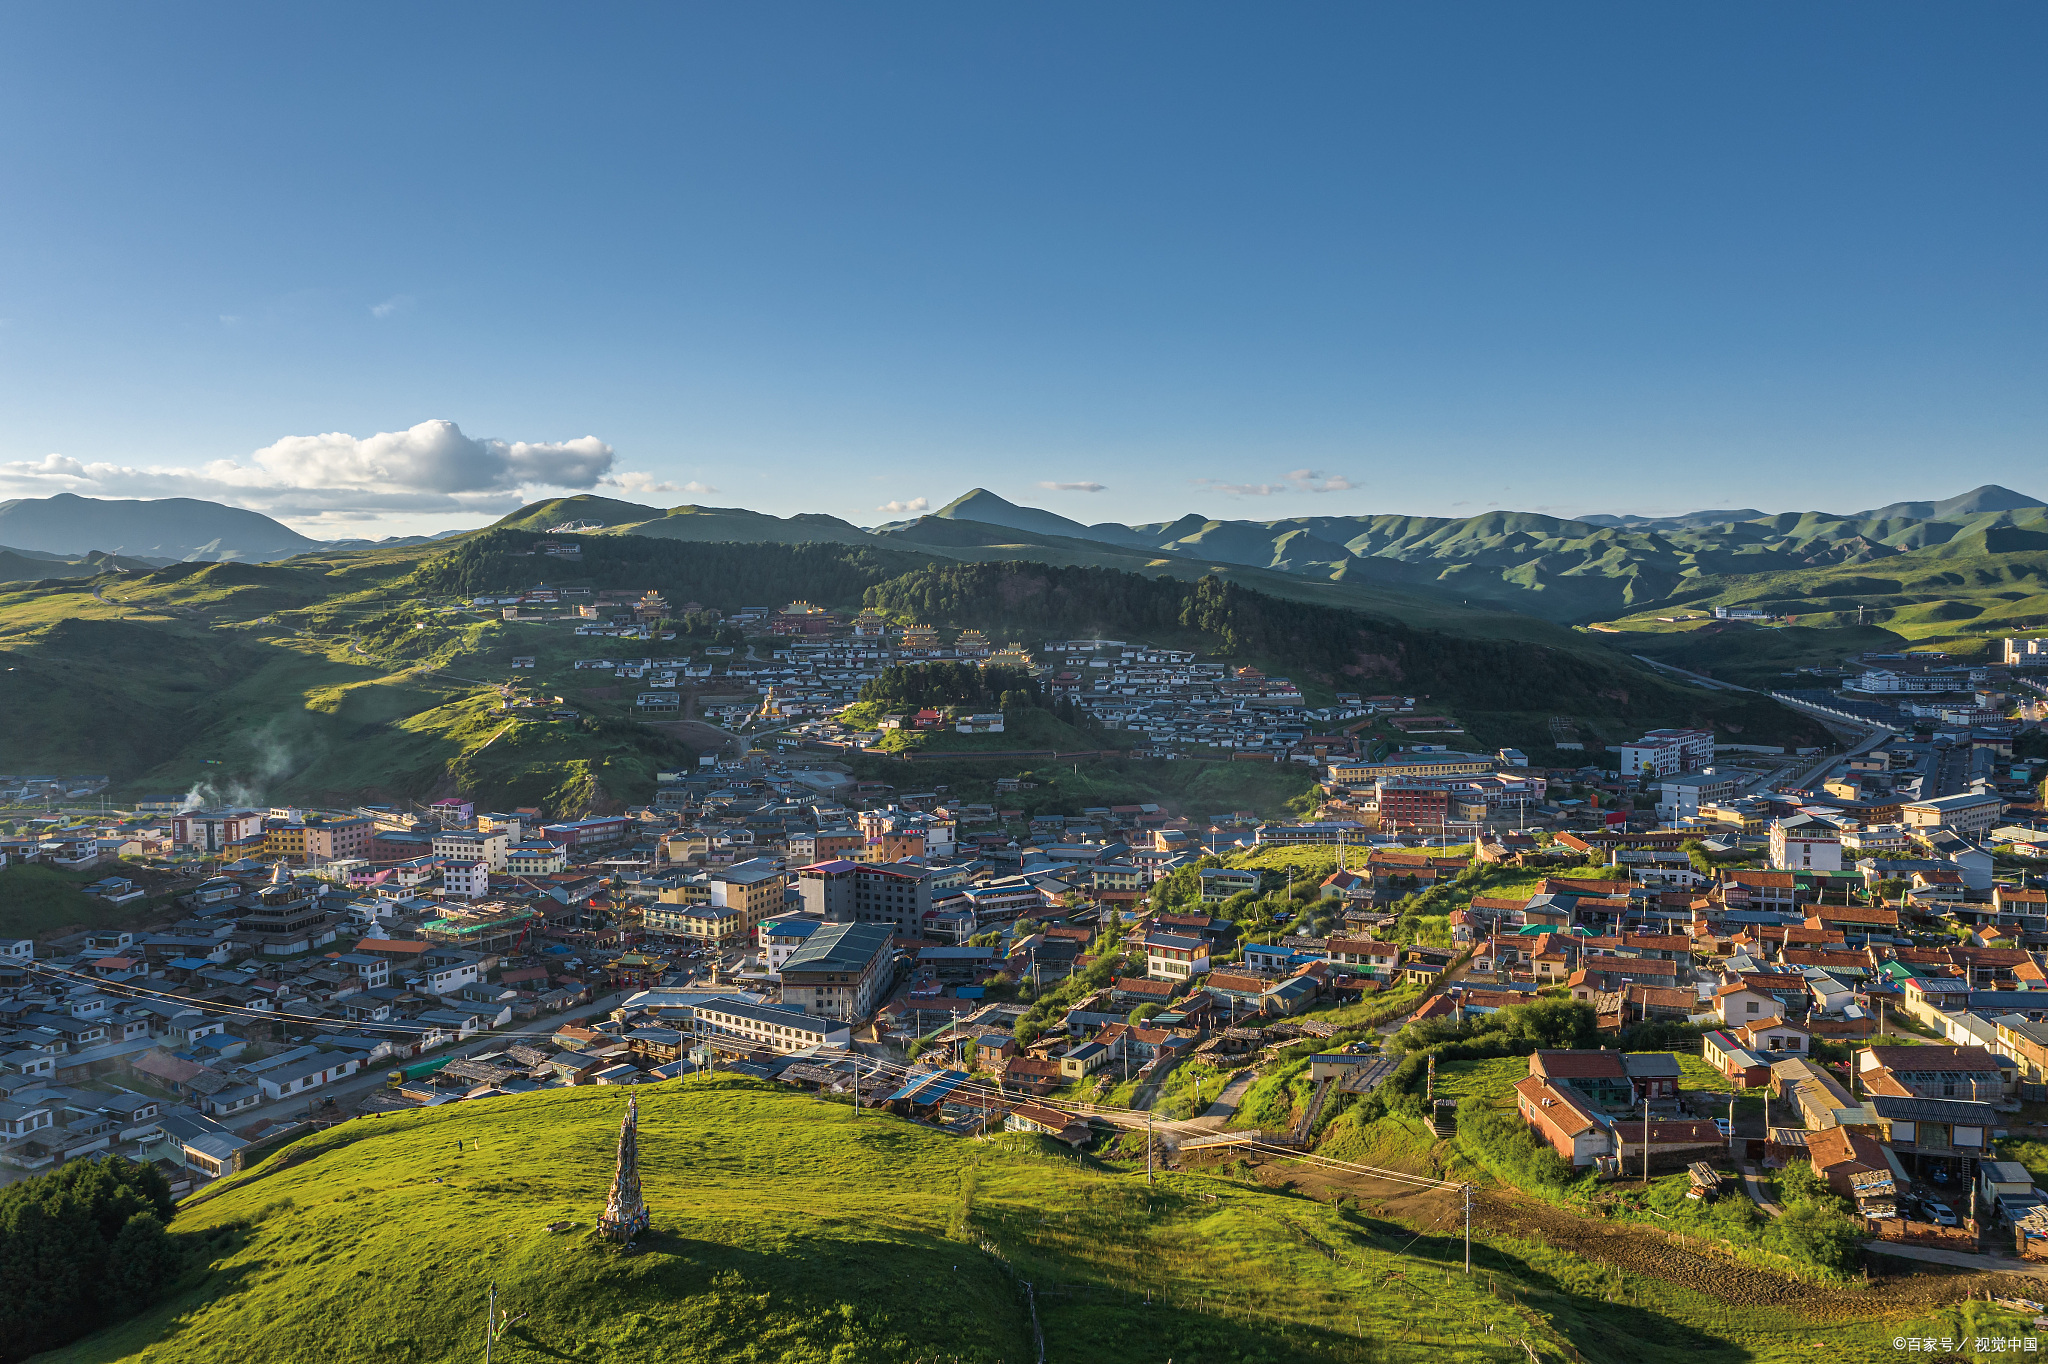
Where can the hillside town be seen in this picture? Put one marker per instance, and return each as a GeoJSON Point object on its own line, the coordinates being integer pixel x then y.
{"type": "Point", "coordinates": [1849, 945]}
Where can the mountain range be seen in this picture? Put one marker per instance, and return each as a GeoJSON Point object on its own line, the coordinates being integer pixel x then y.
{"type": "Point", "coordinates": [169, 529]}
{"type": "Point", "coordinates": [1559, 569]}
{"type": "Point", "coordinates": [1566, 570]}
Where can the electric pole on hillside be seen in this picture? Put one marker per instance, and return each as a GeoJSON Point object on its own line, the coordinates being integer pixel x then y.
{"type": "Point", "coordinates": [1468, 1228]}
{"type": "Point", "coordinates": [1646, 1137]}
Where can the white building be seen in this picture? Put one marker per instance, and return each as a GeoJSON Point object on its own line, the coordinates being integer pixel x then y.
{"type": "Point", "coordinates": [465, 880]}
{"type": "Point", "coordinates": [1805, 843]}
{"type": "Point", "coordinates": [1876, 840]}
{"type": "Point", "coordinates": [1667, 752]}
{"type": "Point", "coordinates": [476, 845]}
{"type": "Point", "coordinates": [1971, 815]}
{"type": "Point", "coordinates": [1680, 797]}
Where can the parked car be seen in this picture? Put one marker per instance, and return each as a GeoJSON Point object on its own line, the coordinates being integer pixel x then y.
{"type": "Point", "coordinates": [1938, 1212]}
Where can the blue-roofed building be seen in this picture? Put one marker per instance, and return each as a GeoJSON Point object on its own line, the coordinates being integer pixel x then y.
{"type": "Point", "coordinates": [1259, 956]}
{"type": "Point", "coordinates": [781, 937]}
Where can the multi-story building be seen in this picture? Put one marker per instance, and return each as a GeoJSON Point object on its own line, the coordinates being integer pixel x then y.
{"type": "Point", "coordinates": [215, 830]}
{"type": "Point", "coordinates": [782, 936]}
{"type": "Point", "coordinates": [515, 827]}
{"type": "Point", "coordinates": [841, 971]}
{"type": "Point", "coordinates": [1666, 752]}
{"type": "Point", "coordinates": [1875, 840]}
{"type": "Point", "coordinates": [1433, 764]}
{"type": "Point", "coordinates": [534, 859]}
{"type": "Point", "coordinates": [1412, 804]}
{"type": "Point", "coordinates": [897, 894]}
{"type": "Point", "coordinates": [1170, 956]}
{"type": "Point", "coordinates": [699, 921]}
{"type": "Point", "coordinates": [1971, 815]}
{"type": "Point", "coordinates": [1330, 833]}
{"type": "Point", "coordinates": [826, 845]}
{"type": "Point", "coordinates": [756, 889]}
{"type": "Point", "coordinates": [475, 845]}
{"type": "Point", "coordinates": [464, 879]}
{"type": "Point", "coordinates": [1805, 843]}
{"type": "Point", "coordinates": [1681, 797]}
{"type": "Point", "coordinates": [581, 835]}
{"type": "Point", "coordinates": [316, 840]}
{"type": "Point", "coordinates": [732, 1024]}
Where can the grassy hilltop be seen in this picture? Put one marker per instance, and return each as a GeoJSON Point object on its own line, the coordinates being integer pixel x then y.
{"type": "Point", "coordinates": [785, 1229]}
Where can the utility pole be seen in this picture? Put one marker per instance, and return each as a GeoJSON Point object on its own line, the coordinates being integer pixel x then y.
{"type": "Point", "coordinates": [1148, 1146]}
{"type": "Point", "coordinates": [1468, 1228]}
{"type": "Point", "coordinates": [1646, 1137]}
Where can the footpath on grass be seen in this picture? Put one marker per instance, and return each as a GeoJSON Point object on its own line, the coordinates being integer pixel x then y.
{"type": "Point", "coordinates": [1699, 1265]}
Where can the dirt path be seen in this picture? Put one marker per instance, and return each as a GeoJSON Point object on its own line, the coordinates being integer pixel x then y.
{"type": "Point", "coordinates": [1638, 1249]}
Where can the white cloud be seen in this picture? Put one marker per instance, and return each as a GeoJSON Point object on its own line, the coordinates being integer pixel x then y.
{"type": "Point", "coordinates": [1074, 487]}
{"type": "Point", "coordinates": [431, 467]}
{"type": "Point", "coordinates": [392, 306]}
{"type": "Point", "coordinates": [643, 483]}
{"type": "Point", "coordinates": [1315, 481]}
{"type": "Point", "coordinates": [915, 504]}
{"type": "Point", "coordinates": [49, 466]}
{"type": "Point", "coordinates": [434, 456]}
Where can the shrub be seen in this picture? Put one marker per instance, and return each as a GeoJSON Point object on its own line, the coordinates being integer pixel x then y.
{"type": "Point", "coordinates": [1498, 1140]}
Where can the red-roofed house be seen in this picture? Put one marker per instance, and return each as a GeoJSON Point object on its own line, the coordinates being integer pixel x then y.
{"type": "Point", "coordinates": [1561, 1118]}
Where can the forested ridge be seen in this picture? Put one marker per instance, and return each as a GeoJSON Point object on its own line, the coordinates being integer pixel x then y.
{"type": "Point", "coordinates": [725, 576]}
{"type": "Point", "coordinates": [1329, 646]}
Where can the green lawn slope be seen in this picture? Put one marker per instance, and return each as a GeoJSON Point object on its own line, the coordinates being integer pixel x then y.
{"type": "Point", "coordinates": [43, 902]}
{"type": "Point", "coordinates": [784, 1229]}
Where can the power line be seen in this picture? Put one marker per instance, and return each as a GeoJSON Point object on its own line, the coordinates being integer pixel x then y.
{"type": "Point", "coordinates": [126, 991]}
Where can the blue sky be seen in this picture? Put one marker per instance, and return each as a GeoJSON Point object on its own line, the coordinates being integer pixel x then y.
{"type": "Point", "coordinates": [1249, 261]}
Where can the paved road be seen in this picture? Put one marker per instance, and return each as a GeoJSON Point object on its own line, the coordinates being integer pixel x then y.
{"type": "Point", "coordinates": [1819, 771]}
{"type": "Point", "coordinates": [1225, 1106]}
{"type": "Point", "coordinates": [1753, 1185]}
{"type": "Point", "coordinates": [1960, 1259]}
{"type": "Point", "coordinates": [1697, 679]}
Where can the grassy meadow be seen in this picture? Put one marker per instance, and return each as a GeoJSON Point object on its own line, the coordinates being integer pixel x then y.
{"type": "Point", "coordinates": [784, 1229]}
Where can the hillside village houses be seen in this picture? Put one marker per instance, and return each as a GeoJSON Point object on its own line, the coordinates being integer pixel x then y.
{"type": "Point", "coordinates": [759, 915]}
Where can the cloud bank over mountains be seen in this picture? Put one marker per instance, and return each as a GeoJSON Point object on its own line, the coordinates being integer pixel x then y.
{"type": "Point", "coordinates": [337, 477]}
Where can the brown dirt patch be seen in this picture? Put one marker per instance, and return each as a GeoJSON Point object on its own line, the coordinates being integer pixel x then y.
{"type": "Point", "coordinates": [1637, 1249]}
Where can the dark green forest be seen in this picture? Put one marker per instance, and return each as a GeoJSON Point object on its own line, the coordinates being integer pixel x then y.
{"type": "Point", "coordinates": [952, 684]}
{"type": "Point", "coordinates": [79, 1248]}
{"type": "Point", "coordinates": [724, 576]}
{"type": "Point", "coordinates": [1329, 645]}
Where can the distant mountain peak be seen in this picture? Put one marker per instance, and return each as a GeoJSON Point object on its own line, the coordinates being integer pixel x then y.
{"type": "Point", "coordinates": [991, 509]}
{"type": "Point", "coordinates": [1991, 497]}
{"type": "Point", "coordinates": [163, 527]}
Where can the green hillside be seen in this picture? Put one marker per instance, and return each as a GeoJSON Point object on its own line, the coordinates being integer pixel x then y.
{"type": "Point", "coordinates": [787, 1229]}
{"type": "Point", "coordinates": [352, 675]}
{"type": "Point", "coordinates": [1503, 691]}
{"type": "Point", "coordinates": [1500, 569]}
{"type": "Point", "coordinates": [1561, 570]}
{"type": "Point", "coordinates": [1952, 597]}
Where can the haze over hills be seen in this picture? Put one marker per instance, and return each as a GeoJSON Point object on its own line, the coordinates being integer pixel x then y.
{"type": "Point", "coordinates": [172, 528]}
